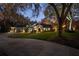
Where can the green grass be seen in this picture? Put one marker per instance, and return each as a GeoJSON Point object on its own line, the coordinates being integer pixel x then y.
{"type": "Point", "coordinates": [41, 36]}
{"type": "Point", "coordinates": [44, 35]}
{"type": "Point", "coordinates": [71, 36]}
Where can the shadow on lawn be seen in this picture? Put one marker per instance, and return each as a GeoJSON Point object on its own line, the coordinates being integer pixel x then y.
{"type": "Point", "coordinates": [65, 41]}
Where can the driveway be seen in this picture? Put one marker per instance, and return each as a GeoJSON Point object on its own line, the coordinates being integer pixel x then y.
{"type": "Point", "coordinates": [33, 47]}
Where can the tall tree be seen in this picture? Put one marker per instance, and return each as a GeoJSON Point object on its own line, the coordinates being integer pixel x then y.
{"type": "Point", "coordinates": [10, 13]}
{"type": "Point", "coordinates": [61, 16]}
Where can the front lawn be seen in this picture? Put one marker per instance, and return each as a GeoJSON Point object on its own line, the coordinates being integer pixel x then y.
{"type": "Point", "coordinates": [41, 36]}
{"type": "Point", "coordinates": [45, 35]}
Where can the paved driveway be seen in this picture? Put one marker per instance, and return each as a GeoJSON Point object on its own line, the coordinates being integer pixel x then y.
{"type": "Point", "coordinates": [33, 47]}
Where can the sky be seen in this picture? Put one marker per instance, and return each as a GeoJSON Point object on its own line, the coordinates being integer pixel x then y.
{"type": "Point", "coordinates": [28, 13]}
{"type": "Point", "coordinates": [41, 14]}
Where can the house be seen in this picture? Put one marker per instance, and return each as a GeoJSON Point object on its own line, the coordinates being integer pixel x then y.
{"type": "Point", "coordinates": [46, 24]}
{"type": "Point", "coordinates": [46, 27]}
{"type": "Point", "coordinates": [17, 29]}
{"type": "Point", "coordinates": [37, 28]}
{"type": "Point", "coordinates": [49, 24]}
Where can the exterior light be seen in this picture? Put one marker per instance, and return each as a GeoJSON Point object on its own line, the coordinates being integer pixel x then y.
{"type": "Point", "coordinates": [64, 26]}
{"type": "Point", "coordinates": [13, 29]}
{"type": "Point", "coordinates": [49, 29]}
{"type": "Point", "coordinates": [55, 28]}
{"type": "Point", "coordinates": [73, 28]}
{"type": "Point", "coordinates": [54, 21]}
{"type": "Point", "coordinates": [23, 30]}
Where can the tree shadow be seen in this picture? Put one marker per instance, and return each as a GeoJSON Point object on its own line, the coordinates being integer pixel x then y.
{"type": "Point", "coordinates": [65, 41]}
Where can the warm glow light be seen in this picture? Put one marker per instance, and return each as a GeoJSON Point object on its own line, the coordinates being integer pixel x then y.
{"type": "Point", "coordinates": [54, 21]}
{"type": "Point", "coordinates": [73, 28]}
{"type": "Point", "coordinates": [15, 30]}
{"type": "Point", "coordinates": [55, 28]}
{"type": "Point", "coordinates": [23, 31]}
{"type": "Point", "coordinates": [12, 29]}
{"type": "Point", "coordinates": [64, 26]}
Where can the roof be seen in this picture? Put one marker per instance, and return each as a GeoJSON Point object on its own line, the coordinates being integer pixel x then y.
{"type": "Point", "coordinates": [46, 25]}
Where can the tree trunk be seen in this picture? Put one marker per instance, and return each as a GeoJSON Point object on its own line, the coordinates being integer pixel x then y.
{"type": "Point", "coordinates": [70, 25]}
{"type": "Point", "coordinates": [60, 29]}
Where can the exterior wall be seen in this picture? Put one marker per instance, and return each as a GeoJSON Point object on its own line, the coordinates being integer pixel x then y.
{"type": "Point", "coordinates": [36, 29]}
{"type": "Point", "coordinates": [17, 29]}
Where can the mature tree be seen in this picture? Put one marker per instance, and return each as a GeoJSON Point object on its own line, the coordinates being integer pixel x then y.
{"type": "Point", "coordinates": [61, 15]}
{"type": "Point", "coordinates": [11, 16]}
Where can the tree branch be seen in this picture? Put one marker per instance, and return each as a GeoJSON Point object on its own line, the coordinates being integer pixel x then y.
{"type": "Point", "coordinates": [63, 9]}
{"type": "Point", "coordinates": [68, 9]}
{"type": "Point", "coordinates": [54, 6]}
